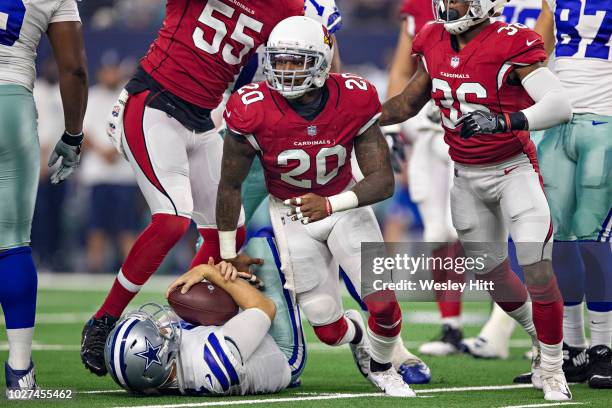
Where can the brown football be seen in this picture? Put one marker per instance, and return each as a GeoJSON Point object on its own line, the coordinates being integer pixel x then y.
{"type": "Point", "coordinates": [204, 304]}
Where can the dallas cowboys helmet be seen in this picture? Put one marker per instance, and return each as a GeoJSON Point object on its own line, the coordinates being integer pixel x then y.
{"type": "Point", "coordinates": [141, 350]}
{"type": "Point", "coordinates": [305, 42]}
{"type": "Point", "coordinates": [479, 11]}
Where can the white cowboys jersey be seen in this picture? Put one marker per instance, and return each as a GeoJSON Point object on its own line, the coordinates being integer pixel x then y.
{"type": "Point", "coordinates": [22, 23]}
{"type": "Point", "coordinates": [522, 12]}
{"type": "Point", "coordinates": [208, 364]}
{"type": "Point", "coordinates": [583, 53]}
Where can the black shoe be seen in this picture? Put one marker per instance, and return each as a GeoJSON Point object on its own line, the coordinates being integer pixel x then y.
{"type": "Point", "coordinates": [600, 373]}
{"type": "Point", "coordinates": [575, 364]}
{"type": "Point", "coordinates": [522, 379]}
{"type": "Point", "coordinates": [93, 340]}
{"type": "Point", "coordinates": [448, 342]}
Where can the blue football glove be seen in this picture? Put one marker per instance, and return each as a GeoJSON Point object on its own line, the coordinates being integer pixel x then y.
{"type": "Point", "coordinates": [69, 149]}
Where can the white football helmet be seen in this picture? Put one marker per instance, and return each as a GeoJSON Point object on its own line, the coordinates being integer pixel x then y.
{"type": "Point", "coordinates": [479, 11]}
{"type": "Point", "coordinates": [300, 41]}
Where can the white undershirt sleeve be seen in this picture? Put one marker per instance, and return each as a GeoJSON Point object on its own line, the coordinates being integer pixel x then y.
{"type": "Point", "coordinates": [552, 105]}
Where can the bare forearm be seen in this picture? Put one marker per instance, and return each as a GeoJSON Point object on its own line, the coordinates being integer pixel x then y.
{"type": "Point", "coordinates": [375, 187]}
{"type": "Point", "coordinates": [374, 160]}
{"type": "Point", "coordinates": [73, 88]}
{"type": "Point", "coordinates": [229, 202]}
{"type": "Point", "coordinates": [396, 110]}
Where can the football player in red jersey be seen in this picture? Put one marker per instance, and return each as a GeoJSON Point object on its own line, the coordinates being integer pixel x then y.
{"type": "Point", "coordinates": [491, 85]}
{"type": "Point", "coordinates": [430, 178]}
{"type": "Point", "coordinates": [162, 125]}
{"type": "Point", "coordinates": [303, 123]}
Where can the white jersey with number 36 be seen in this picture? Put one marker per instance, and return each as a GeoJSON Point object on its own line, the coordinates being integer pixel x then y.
{"type": "Point", "coordinates": [583, 53]}
{"type": "Point", "coordinates": [22, 23]}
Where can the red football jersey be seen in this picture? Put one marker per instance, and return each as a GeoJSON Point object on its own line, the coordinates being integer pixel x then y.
{"type": "Point", "coordinates": [203, 44]}
{"type": "Point", "coordinates": [418, 13]}
{"type": "Point", "coordinates": [476, 78]}
{"type": "Point", "coordinates": [301, 156]}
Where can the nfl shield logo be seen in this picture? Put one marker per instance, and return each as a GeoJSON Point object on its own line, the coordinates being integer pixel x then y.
{"type": "Point", "coordinates": [312, 130]}
{"type": "Point", "coordinates": [455, 62]}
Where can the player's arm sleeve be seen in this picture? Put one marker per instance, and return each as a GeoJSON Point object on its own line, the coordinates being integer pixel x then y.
{"type": "Point", "coordinates": [242, 119]}
{"type": "Point", "coordinates": [552, 104]}
{"type": "Point", "coordinates": [67, 10]}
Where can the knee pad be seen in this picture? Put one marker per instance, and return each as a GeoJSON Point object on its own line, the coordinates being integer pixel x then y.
{"type": "Point", "coordinates": [332, 333]}
{"type": "Point", "coordinates": [320, 309]}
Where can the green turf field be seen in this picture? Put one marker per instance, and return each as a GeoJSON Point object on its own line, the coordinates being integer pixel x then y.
{"type": "Point", "coordinates": [330, 378]}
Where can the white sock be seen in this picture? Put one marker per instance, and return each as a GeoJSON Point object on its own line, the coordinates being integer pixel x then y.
{"type": "Point", "coordinates": [350, 332]}
{"type": "Point", "coordinates": [524, 317]}
{"type": "Point", "coordinates": [573, 326]}
{"type": "Point", "coordinates": [454, 322]}
{"type": "Point", "coordinates": [401, 355]}
{"type": "Point", "coordinates": [552, 357]}
{"type": "Point", "coordinates": [600, 324]}
{"type": "Point", "coordinates": [20, 347]}
{"type": "Point", "coordinates": [382, 347]}
{"type": "Point", "coordinates": [499, 327]}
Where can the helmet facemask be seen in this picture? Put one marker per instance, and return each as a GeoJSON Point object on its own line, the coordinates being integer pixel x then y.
{"type": "Point", "coordinates": [293, 71]}
{"type": "Point", "coordinates": [478, 11]}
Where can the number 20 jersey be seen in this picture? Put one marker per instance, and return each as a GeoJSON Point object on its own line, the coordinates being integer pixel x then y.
{"type": "Point", "coordinates": [476, 78]}
{"type": "Point", "coordinates": [301, 156]}
{"type": "Point", "coordinates": [583, 53]}
{"type": "Point", "coordinates": [203, 44]}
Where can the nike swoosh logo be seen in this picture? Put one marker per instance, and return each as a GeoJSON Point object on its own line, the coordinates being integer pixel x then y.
{"type": "Point", "coordinates": [597, 123]}
{"type": "Point", "coordinates": [209, 378]}
{"type": "Point", "coordinates": [511, 169]}
{"type": "Point", "coordinates": [530, 43]}
{"type": "Point", "coordinates": [593, 322]}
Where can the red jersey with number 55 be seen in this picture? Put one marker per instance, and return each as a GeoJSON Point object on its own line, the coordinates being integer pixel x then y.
{"type": "Point", "coordinates": [301, 156]}
{"type": "Point", "coordinates": [478, 78]}
{"type": "Point", "coordinates": [203, 44]}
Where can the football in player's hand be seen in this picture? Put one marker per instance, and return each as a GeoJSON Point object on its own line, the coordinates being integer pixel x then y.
{"type": "Point", "coordinates": [204, 304]}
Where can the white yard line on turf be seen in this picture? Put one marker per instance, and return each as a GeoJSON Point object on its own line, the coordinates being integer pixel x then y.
{"type": "Point", "coordinates": [548, 404]}
{"type": "Point", "coordinates": [318, 397]}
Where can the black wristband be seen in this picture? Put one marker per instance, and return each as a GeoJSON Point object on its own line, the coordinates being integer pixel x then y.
{"type": "Point", "coordinates": [518, 121]}
{"type": "Point", "coordinates": [72, 140]}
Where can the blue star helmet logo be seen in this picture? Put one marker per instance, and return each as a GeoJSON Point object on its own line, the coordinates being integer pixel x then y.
{"type": "Point", "coordinates": [151, 354]}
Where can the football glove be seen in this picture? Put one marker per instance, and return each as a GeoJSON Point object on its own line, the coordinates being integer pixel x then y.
{"type": "Point", "coordinates": [69, 149]}
{"type": "Point", "coordinates": [396, 146]}
{"type": "Point", "coordinates": [481, 122]}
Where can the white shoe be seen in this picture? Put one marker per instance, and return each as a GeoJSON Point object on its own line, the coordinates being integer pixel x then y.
{"type": "Point", "coordinates": [536, 369]}
{"type": "Point", "coordinates": [360, 351]}
{"type": "Point", "coordinates": [391, 383]}
{"type": "Point", "coordinates": [482, 348]}
{"type": "Point", "coordinates": [555, 386]}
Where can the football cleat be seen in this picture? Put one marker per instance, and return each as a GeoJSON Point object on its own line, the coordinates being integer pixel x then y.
{"type": "Point", "coordinates": [19, 379]}
{"type": "Point", "coordinates": [415, 372]}
{"type": "Point", "coordinates": [575, 363]}
{"type": "Point", "coordinates": [448, 343]}
{"type": "Point", "coordinates": [391, 383]}
{"type": "Point", "coordinates": [480, 347]}
{"type": "Point", "coordinates": [524, 378]}
{"type": "Point", "coordinates": [93, 339]}
{"type": "Point", "coordinates": [600, 362]}
{"type": "Point", "coordinates": [360, 351]}
{"type": "Point", "coordinates": [555, 386]}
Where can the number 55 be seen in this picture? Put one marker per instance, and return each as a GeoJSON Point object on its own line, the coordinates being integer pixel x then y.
{"type": "Point", "coordinates": [208, 19]}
